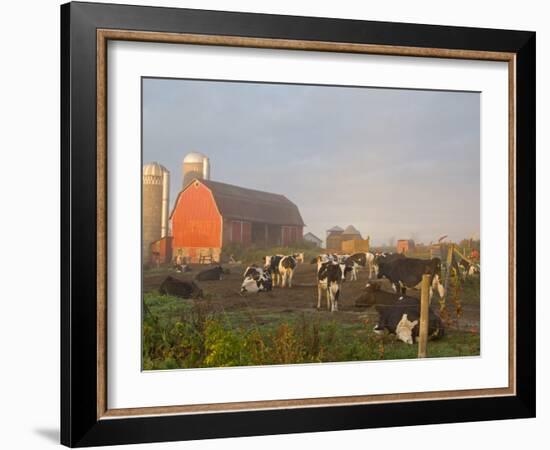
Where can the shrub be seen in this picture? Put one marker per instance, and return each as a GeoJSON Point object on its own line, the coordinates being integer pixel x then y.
{"type": "Point", "coordinates": [194, 334]}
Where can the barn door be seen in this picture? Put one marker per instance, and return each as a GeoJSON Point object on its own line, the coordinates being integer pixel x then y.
{"type": "Point", "coordinates": [236, 231]}
{"type": "Point", "coordinates": [286, 236]}
{"type": "Point", "coordinates": [293, 235]}
{"type": "Point", "coordinates": [246, 232]}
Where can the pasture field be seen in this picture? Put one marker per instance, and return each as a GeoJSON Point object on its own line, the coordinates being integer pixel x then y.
{"type": "Point", "coordinates": [283, 326]}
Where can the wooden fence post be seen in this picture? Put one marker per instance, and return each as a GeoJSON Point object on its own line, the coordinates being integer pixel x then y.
{"type": "Point", "coordinates": [448, 264]}
{"type": "Point", "coordinates": [424, 316]}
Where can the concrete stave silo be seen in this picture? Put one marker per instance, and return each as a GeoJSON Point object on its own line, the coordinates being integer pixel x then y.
{"type": "Point", "coordinates": [155, 203]}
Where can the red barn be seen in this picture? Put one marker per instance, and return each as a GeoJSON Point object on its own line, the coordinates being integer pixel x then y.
{"type": "Point", "coordinates": [209, 214]}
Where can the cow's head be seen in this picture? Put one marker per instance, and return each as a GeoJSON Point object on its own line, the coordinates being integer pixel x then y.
{"type": "Point", "coordinates": [368, 296]}
{"type": "Point", "coordinates": [404, 330]}
{"type": "Point", "coordinates": [436, 266]}
{"type": "Point", "coordinates": [250, 270]}
{"type": "Point", "coordinates": [299, 257]}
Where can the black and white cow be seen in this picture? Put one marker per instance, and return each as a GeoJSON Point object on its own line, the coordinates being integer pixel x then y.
{"type": "Point", "coordinates": [402, 320]}
{"type": "Point", "coordinates": [257, 281]}
{"type": "Point", "coordinates": [299, 257]}
{"type": "Point", "coordinates": [182, 268]}
{"type": "Point", "coordinates": [335, 259]}
{"type": "Point", "coordinates": [253, 271]}
{"type": "Point", "coordinates": [179, 288]}
{"type": "Point", "coordinates": [359, 260]}
{"type": "Point", "coordinates": [213, 274]}
{"type": "Point", "coordinates": [329, 280]}
{"type": "Point", "coordinates": [407, 273]}
{"type": "Point", "coordinates": [387, 258]}
{"type": "Point", "coordinates": [341, 259]}
{"type": "Point", "coordinates": [399, 314]}
{"type": "Point", "coordinates": [287, 264]}
{"type": "Point", "coordinates": [464, 267]}
{"type": "Point", "coordinates": [324, 257]}
{"type": "Point", "coordinates": [281, 268]}
{"type": "Point", "coordinates": [271, 265]}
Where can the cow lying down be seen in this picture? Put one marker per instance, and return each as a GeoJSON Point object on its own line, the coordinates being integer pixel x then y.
{"type": "Point", "coordinates": [399, 314]}
{"type": "Point", "coordinates": [212, 274]}
{"type": "Point", "coordinates": [182, 268]}
{"type": "Point", "coordinates": [256, 280]}
{"type": "Point", "coordinates": [178, 288]}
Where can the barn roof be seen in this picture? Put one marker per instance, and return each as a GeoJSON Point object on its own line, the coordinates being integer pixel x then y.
{"type": "Point", "coordinates": [311, 235]}
{"type": "Point", "coordinates": [350, 229]}
{"type": "Point", "coordinates": [235, 202]}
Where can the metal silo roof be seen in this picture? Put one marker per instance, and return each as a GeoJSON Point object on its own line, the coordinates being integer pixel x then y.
{"type": "Point", "coordinates": [154, 168]}
{"type": "Point", "coordinates": [194, 157]}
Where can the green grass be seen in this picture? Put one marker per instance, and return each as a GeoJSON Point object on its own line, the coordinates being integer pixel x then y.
{"type": "Point", "coordinates": [190, 333]}
{"type": "Point", "coordinates": [471, 290]}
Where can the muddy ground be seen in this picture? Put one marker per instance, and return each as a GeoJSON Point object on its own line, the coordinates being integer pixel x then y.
{"type": "Point", "coordinates": [302, 297]}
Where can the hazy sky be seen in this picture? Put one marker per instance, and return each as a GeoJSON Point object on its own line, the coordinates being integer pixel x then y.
{"type": "Point", "coordinates": [394, 163]}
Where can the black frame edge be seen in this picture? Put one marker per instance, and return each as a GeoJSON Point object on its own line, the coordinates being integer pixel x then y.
{"type": "Point", "coordinates": [65, 416]}
{"type": "Point", "coordinates": [525, 222]}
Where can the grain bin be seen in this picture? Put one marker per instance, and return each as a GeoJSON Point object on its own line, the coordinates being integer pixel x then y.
{"type": "Point", "coordinates": [156, 191]}
{"type": "Point", "coordinates": [195, 165]}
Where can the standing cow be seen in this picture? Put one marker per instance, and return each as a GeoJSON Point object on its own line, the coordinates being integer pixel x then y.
{"type": "Point", "coordinates": [282, 268]}
{"type": "Point", "coordinates": [329, 280]}
{"type": "Point", "coordinates": [358, 260]}
{"type": "Point", "coordinates": [334, 259]}
{"type": "Point", "coordinates": [271, 265]}
{"type": "Point", "coordinates": [407, 273]}
{"type": "Point", "coordinates": [287, 264]}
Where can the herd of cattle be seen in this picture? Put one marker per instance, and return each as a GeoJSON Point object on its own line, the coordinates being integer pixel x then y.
{"type": "Point", "coordinates": [398, 313]}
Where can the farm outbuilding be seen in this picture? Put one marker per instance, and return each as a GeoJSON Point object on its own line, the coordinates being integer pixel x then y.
{"type": "Point", "coordinates": [351, 233]}
{"type": "Point", "coordinates": [336, 236]}
{"type": "Point", "coordinates": [405, 246]}
{"type": "Point", "coordinates": [356, 245]}
{"type": "Point", "coordinates": [208, 215]}
{"type": "Point", "coordinates": [310, 237]}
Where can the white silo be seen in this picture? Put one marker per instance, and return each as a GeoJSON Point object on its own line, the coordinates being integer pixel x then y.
{"type": "Point", "coordinates": [195, 165]}
{"type": "Point", "coordinates": [156, 192]}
